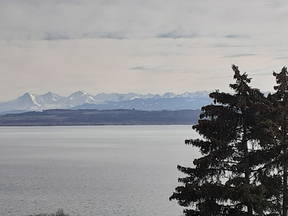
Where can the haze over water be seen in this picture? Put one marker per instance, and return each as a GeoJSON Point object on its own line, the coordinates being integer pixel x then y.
{"type": "Point", "coordinates": [90, 171]}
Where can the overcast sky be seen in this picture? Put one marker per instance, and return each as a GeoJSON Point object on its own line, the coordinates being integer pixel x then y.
{"type": "Point", "coordinates": [138, 46]}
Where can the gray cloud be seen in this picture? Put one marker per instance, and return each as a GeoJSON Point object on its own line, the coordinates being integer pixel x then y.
{"type": "Point", "coordinates": [239, 55]}
{"type": "Point", "coordinates": [229, 45]}
{"type": "Point", "coordinates": [56, 36]}
{"type": "Point", "coordinates": [50, 42]}
{"type": "Point", "coordinates": [177, 35]}
{"type": "Point", "coordinates": [237, 36]}
{"type": "Point", "coordinates": [262, 74]}
{"type": "Point", "coordinates": [140, 68]}
{"type": "Point", "coordinates": [161, 69]}
{"type": "Point", "coordinates": [157, 68]}
{"type": "Point", "coordinates": [66, 19]}
{"type": "Point", "coordinates": [281, 57]}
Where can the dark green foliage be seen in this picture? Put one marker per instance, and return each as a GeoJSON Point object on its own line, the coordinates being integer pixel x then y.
{"type": "Point", "coordinates": [276, 166]}
{"type": "Point", "coordinates": [227, 179]}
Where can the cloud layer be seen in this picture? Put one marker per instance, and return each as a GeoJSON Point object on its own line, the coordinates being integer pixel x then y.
{"type": "Point", "coordinates": [139, 46]}
{"type": "Point", "coordinates": [70, 19]}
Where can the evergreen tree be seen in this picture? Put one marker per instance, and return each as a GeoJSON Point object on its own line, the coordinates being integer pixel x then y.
{"type": "Point", "coordinates": [281, 97]}
{"type": "Point", "coordinates": [226, 179]}
{"type": "Point", "coordinates": [276, 164]}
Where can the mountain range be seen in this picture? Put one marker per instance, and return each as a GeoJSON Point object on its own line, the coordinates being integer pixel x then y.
{"type": "Point", "coordinates": [106, 101]}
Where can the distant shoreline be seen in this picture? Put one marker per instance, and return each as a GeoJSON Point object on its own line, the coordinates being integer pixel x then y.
{"type": "Point", "coordinates": [2, 126]}
{"type": "Point", "coordinates": [92, 117]}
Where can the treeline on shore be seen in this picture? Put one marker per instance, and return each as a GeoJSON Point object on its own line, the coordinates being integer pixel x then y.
{"type": "Point", "coordinates": [60, 117]}
{"type": "Point", "coordinates": [243, 169]}
{"type": "Point", "coordinates": [59, 212]}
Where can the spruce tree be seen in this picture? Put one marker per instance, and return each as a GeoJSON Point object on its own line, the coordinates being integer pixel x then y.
{"type": "Point", "coordinates": [276, 164]}
{"type": "Point", "coordinates": [225, 180]}
{"type": "Point", "coordinates": [282, 98]}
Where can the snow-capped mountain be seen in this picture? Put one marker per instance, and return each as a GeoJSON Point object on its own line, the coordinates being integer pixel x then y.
{"type": "Point", "coordinates": [49, 100]}
{"type": "Point", "coordinates": [164, 102]}
{"type": "Point", "coordinates": [104, 97]}
{"type": "Point", "coordinates": [34, 102]}
{"type": "Point", "coordinates": [78, 98]}
{"type": "Point", "coordinates": [23, 103]}
{"type": "Point", "coordinates": [83, 100]}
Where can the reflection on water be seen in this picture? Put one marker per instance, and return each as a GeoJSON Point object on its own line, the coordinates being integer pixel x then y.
{"type": "Point", "coordinates": [91, 171]}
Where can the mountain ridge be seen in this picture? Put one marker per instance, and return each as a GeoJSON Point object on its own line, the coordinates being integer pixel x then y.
{"type": "Point", "coordinates": [83, 100]}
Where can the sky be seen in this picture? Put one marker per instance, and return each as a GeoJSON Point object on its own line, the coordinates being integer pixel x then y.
{"type": "Point", "coordinates": [151, 46]}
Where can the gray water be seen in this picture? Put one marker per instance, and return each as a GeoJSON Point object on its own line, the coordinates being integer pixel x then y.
{"type": "Point", "coordinates": [92, 171]}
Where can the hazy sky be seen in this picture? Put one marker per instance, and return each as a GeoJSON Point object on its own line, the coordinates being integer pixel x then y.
{"type": "Point", "coordinates": [138, 45]}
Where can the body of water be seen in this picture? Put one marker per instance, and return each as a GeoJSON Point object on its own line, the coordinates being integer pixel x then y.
{"type": "Point", "coordinates": [92, 171]}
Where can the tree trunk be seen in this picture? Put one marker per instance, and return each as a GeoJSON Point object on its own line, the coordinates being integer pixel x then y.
{"type": "Point", "coordinates": [247, 168]}
{"type": "Point", "coordinates": [284, 134]}
{"type": "Point", "coordinates": [285, 192]}
{"type": "Point", "coordinates": [284, 206]}
{"type": "Point", "coordinates": [247, 180]}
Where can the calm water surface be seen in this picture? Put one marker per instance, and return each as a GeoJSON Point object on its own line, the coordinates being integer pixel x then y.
{"type": "Point", "coordinates": [92, 171]}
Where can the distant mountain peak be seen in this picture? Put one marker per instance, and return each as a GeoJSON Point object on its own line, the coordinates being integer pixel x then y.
{"type": "Point", "coordinates": [49, 99]}
{"type": "Point", "coordinates": [27, 100]}
{"type": "Point", "coordinates": [26, 95]}
{"type": "Point", "coordinates": [50, 94]}
{"type": "Point", "coordinates": [78, 93]}
{"type": "Point", "coordinates": [169, 95]}
{"type": "Point", "coordinates": [80, 97]}
{"type": "Point", "coordinates": [81, 100]}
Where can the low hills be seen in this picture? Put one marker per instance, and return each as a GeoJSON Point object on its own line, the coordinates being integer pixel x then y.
{"type": "Point", "coordinates": [57, 117]}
